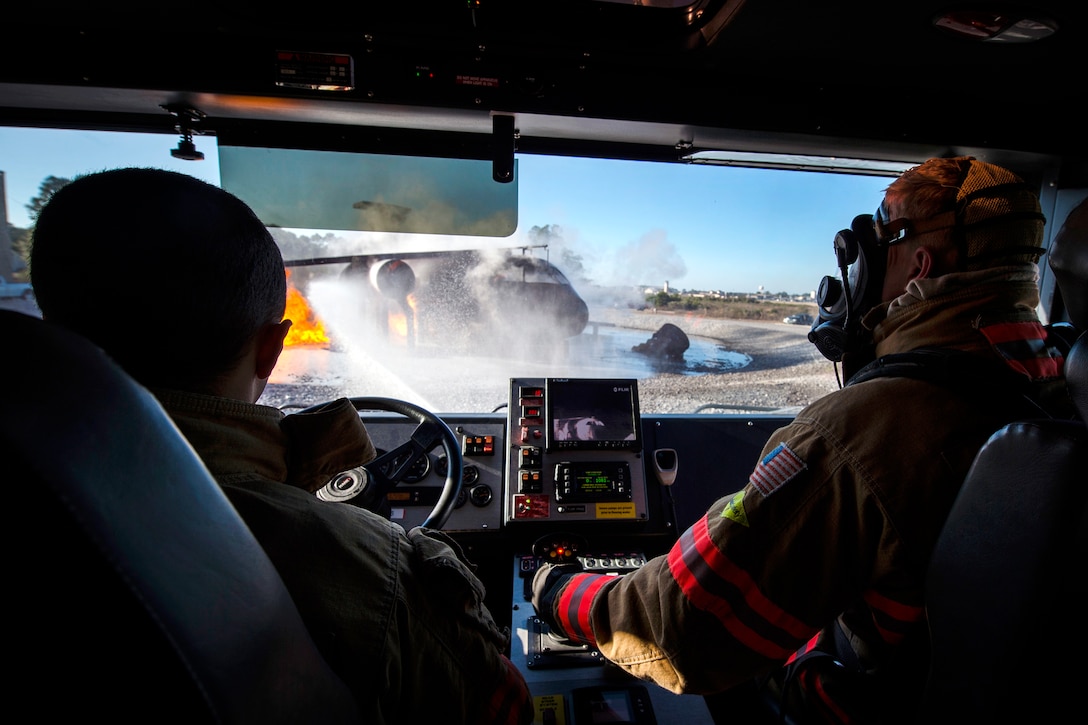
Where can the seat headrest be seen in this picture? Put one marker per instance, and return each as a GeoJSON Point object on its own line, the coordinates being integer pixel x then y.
{"type": "Point", "coordinates": [99, 449]}
{"type": "Point", "coordinates": [1068, 259]}
{"type": "Point", "coordinates": [1076, 375]}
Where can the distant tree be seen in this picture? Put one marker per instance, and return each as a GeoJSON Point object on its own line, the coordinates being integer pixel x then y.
{"type": "Point", "coordinates": [20, 242]}
{"type": "Point", "coordinates": [547, 234]}
{"type": "Point", "coordinates": [662, 299]}
{"type": "Point", "coordinates": [570, 262]}
{"type": "Point", "coordinates": [572, 265]}
{"type": "Point", "coordinates": [294, 246]}
{"type": "Point", "coordinates": [51, 185]}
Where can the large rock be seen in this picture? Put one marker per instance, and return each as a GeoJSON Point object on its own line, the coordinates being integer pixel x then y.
{"type": "Point", "coordinates": [668, 343]}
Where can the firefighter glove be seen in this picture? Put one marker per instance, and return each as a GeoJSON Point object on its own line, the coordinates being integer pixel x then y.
{"type": "Point", "coordinates": [548, 583]}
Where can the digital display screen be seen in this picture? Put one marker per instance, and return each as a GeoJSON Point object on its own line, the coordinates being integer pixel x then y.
{"type": "Point", "coordinates": [593, 482]}
{"type": "Point", "coordinates": [606, 481]}
{"type": "Point", "coordinates": [629, 705]}
{"type": "Point", "coordinates": [612, 706]}
{"type": "Point", "coordinates": [592, 414]}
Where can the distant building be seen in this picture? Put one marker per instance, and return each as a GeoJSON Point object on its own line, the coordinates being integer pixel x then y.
{"type": "Point", "coordinates": [7, 256]}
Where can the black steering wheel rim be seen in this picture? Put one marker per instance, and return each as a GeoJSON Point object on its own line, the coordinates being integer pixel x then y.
{"type": "Point", "coordinates": [387, 470]}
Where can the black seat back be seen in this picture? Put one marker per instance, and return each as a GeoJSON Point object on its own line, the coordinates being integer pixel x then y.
{"type": "Point", "coordinates": [137, 592]}
{"type": "Point", "coordinates": [1008, 580]}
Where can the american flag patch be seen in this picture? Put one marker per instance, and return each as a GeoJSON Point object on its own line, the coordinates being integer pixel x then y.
{"type": "Point", "coordinates": [777, 467]}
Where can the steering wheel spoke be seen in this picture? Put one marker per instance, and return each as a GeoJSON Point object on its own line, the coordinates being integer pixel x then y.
{"type": "Point", "coordinates": [397, 465]}
{"type": "Point", "coordinates": [393, 467]}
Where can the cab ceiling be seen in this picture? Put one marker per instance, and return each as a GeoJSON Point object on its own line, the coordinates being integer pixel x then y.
{"type": "Point", "coordinates": [798, 75]}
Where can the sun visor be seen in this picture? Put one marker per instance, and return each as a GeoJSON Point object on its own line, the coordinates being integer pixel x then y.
{"type": "Point", "coordinates": [337, 191]}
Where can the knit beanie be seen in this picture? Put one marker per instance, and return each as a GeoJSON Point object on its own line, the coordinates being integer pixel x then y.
{"type": "Point", "coordinates": [998, 217]}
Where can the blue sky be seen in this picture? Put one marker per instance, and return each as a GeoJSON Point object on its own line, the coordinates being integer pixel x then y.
{"type": "Point", "coordinates": [698, 227]}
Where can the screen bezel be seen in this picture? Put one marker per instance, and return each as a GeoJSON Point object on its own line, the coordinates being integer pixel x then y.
{"type": "Point", "coordinates": [559, 394]}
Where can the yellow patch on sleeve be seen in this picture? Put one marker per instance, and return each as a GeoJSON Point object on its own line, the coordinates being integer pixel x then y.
{"type": "Point", "coordinates": [734, 510]}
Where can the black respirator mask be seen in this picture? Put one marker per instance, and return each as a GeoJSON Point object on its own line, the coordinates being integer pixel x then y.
{"type": "Point", "coordinates": [996, 220]}
{"type": "Point", "coordinates": [861, 253]}
{"type": "Point", "coordinates": [861, 261]}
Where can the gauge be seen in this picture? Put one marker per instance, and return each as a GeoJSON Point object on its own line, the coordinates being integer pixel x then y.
{"type": "Point", "coordinates": [470, 474]}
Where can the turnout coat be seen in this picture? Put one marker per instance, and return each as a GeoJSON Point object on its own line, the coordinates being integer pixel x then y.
{"type": "Point", "coordinates": [825, 548]}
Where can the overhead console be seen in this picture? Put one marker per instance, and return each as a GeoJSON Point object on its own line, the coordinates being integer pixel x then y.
{"type": "Point", "coordinates": [575, 451]}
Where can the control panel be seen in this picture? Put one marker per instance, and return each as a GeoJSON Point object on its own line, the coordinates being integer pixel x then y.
{"type": "Point", "coordinates": [544, 649]}
{"type": "Point", "coordinates": [574, 683]}
{"type": "Point", "coordinates": [575, 451]}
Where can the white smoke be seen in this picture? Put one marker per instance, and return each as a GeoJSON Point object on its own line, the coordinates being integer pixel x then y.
{"type": "Point", "coordinates": [650, 259]}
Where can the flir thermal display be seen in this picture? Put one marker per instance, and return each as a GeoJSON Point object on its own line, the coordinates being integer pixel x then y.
{"type": "Point", "coordinates": [575, 451]}
{"type": "Point", "coordinates": [592, 414]}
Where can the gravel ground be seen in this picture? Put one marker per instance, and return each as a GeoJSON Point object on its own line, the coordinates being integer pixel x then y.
{"type": "Point", "coordinates": [786, 372]}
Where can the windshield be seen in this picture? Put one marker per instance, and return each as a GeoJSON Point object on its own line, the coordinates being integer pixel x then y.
{"type": "Point", "coordinates": [697, 280]}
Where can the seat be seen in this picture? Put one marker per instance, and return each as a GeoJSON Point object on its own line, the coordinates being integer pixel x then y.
{"type": "Point", "coordinates": [136, 592]}
{"type": "Point", "coordinates": [1008, 581]}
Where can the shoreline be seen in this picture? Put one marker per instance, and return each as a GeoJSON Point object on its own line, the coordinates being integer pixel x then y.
{"type": "Point", "coordinates": [786, 371]}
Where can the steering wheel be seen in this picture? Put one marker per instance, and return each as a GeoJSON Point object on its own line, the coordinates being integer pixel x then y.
{"type": "Point", "coordinates": [367, 485]}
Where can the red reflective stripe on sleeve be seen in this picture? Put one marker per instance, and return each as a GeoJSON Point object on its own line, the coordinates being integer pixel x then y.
{"type": "Point", "coordinates": [695, 563]}
{"type": "Point", "coordinates": [907, 613]}
{"type": "Point", "coordinates": [892, 619]}
{"type": "Point", "coordinates": [811, 682]}
{"type": "Point", "coordinates": [809, 646]}
{"type": "Point", "coordinates": [575, 601]}
{"type": "Point", "coordinates": [888, 635]}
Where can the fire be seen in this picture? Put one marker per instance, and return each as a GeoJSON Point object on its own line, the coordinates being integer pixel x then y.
{"type": "Point", "coordinates": [306, 328]}
{"type": "Point", "coordinates": [398, 321]}
{"type": "Point", "coordinates": [398, 324]}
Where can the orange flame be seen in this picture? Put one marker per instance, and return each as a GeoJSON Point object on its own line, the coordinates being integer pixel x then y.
{"type": "Point", "coordinates": [306, 328]}
{"type": "Point", "coordinates": [398, 321]}
{"type": "Point", "coordinates": [398, 324]}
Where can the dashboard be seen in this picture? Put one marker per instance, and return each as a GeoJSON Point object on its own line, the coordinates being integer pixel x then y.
{"type": "Point", "coordinates": [572, 470]}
